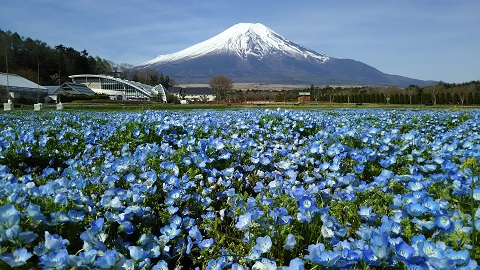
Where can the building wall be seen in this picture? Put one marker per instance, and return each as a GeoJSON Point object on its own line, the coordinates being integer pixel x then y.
{"type": "Point", "coordinates": [303, 98]}
{"type": "Point", "coordinates": [207, 98]}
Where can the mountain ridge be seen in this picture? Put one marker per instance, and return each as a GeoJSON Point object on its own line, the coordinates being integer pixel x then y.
{"type": "Point", "coordinates": [252, 52]}
{"type": "Point", "coordinates": [242, 39]}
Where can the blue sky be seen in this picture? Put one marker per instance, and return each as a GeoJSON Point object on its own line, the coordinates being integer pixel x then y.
{"type": "Point", "coordinates": [427, 39]}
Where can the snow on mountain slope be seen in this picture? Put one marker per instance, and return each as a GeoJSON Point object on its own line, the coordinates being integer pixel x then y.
{"type": "Point", "coordinates": [245, 40]}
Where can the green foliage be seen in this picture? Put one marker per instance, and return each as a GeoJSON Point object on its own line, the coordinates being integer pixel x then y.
{"type": "Point", "coordinates": [472, 168]}
{"type": "Point", "coordinates": [25, 54]}
{"type": "Point", "coordinates": [221, 85]}
{"type": "Point", "coordinates": [171, 98]}
{"type": "Point", "coordinates": [440, 94]}
{"type": "Point", "coordinates": [4, 96]}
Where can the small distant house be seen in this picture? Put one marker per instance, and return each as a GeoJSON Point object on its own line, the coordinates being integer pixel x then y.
{"type": "Point", "coordinates": [195, 94]}
{"type": "Point", "coordinates": [69, 88]}
{"type": "Point", "coordinates": [303, 96]}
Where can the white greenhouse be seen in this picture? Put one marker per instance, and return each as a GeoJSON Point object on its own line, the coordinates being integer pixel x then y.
{"type": "Point", "coordinates": [120, 89]}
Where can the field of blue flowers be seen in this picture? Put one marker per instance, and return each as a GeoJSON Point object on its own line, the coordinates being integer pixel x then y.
{"type": "Point", "coordinates": [240, 189]}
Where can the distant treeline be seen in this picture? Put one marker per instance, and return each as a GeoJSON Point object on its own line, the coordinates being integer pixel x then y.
{"type": "Point", "coordinates": [441, 93]}
{"type": "Point", "coordinates": [37, 61]}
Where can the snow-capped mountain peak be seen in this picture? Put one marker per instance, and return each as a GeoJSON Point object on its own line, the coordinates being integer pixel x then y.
{"type": "Point", "coordinates": [245, 40]}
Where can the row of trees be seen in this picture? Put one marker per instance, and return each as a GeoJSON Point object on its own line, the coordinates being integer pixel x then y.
{"type": "Point", "coordinates": [149, 76]}
{"type": "Point", "coordinates": [440, 93]}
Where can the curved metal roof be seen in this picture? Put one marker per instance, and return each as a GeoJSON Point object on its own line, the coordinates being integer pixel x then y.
{"type": "Point", "coordinates": [148, 90]}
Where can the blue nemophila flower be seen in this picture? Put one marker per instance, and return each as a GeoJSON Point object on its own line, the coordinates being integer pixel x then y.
{"type": "Point", "coordinates": [17, 258]}
{"type": "Point", "coordinates": [428, 249]}
{"type": "Point", "coordinates": [370, 257]}
{"type": "Point", "coordinates": [366, 213]}
{"type": "Point", "coordinates": [314, 251]}
{"type": "Point", "coordinates": [460, 257]}
{"type": "Point", "coordinates": [195, 233]}
{"type": "Point", "coordinates": [416, 209]}
{"type": "Point", "coordinates": [54, 242]}
{"type": "Point", "coordinates": [76, 216]}
{"type": "Point", "coordinates": [94, 238]}
{"type": "Point", "coordinates": [236, 266]}
{"type": "Point", "coordinates": [10, 234]}
{"type": "Point", "coordinates": [247, 238]}
{"type": "Point", "coordinates": [56, 259]}
{"type": "Point", "coordinates": [9, 216]}
{"type": "Point", "coordinates": [263, 244]}
{"type": "Point", "coordinates": [244, 221]}
{"type": "Point", "coordinates": [290, 242]}
{"type": "Point", "coordinates": [161, 265]}
{"type": "Point", "coordinates": [171, 231]}
{"type": "Point", "coordinates": [87, 257]}
{"type": "Point", "coordinates": [295, 264]}
{"type": "Point", "coordinates": [415, 186]}
{"type": "Point", "coordinates": [34, 212]}
{"type": "Point", "coordinates": [107, 261]}
{"type": "Point", "coordinates": [253, 255]}
{"type": "Point", "coordinates": [206, 243]}
{"type": "Point", "coordinates": [172, 209]}
{"type": "Point", "coordinates": [325, 258]}
{"type": "Point", "coordinates": [216, 264]}
{"type": "Point", "coordinates": [359, 168]}
{"type": "Point", "coordinates": [136, 133]}
{"type": "Point", "coordinates": [379, 245]}
{"type": "Point", "coordinates": [404, 251]}
{"type": "Point", "coordinates": [443, 263]}
{"type": "Point", "coordinates": [265, 264]}
{"type": "Point", "coordinates": [14, 234]}
{"type": "Point", "coordinates": [459, 227]}
{"type": "Point", "coordinates": [96, 225]}
{"type": "Point", "coordinates": [443, 222]}
{"type": "Point", "coordinates": [424, 224]}
{"type": "Point", "coordinates": [476, 193]}
{"type": "Point", "coordinates": [316, 148]}
{"type": "Point", "coordinates": [433, 206]}
{"type": "Point", "coordinates": [137, 253]}
{"type": "Point", "coordinates": [59, 217]}
{"type": "Point", "coordinates": [306, 203]}
{"type": "Point", "coordinates": [126, 226]}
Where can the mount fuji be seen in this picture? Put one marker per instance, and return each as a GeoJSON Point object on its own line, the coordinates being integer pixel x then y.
{"type": "Point", "coordinates": [253, 53]}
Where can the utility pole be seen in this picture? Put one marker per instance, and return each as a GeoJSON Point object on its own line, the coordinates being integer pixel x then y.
{"type": "Point", "coordinates": [59, 94]}
{"type": "Point", "coordinates": [38, 80]}
{"type": "Point", "coordinates": [6, 65]}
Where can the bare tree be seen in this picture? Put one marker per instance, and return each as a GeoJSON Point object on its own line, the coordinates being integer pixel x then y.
{"type": "Point", "coordinates": [434, 91]}
{"type": "Point", "coordinates": [349, 92]}
{"type": "Point", "coordinates": [126, 71]}
{"type": "Point", "coordinates": [146, 76]}
{"type": "Point", "coordinates": [315, 93]}
{"type": "Point", "coordinates": [221, 85]}
{"type": "Point", "coordinates": [462, 92]}
{"type": "Point", "coordinates": [387, 92]}
{"type": "Point", "coordinates": [411, 91]}
{"type": "Point", "coordinates": [328, 92]}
